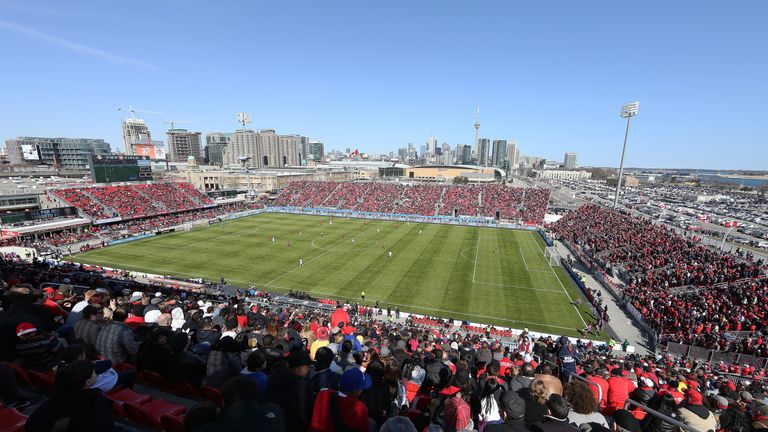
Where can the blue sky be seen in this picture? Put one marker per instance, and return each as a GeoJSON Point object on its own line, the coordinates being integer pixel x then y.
{"type": "Point", "coordinates": [377, 75]}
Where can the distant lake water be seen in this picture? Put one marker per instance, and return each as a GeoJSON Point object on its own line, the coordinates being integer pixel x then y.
{"type": "Point", "coordinates": [752, 182]}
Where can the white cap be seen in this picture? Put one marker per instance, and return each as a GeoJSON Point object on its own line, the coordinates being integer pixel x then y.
{"type": "Point", "coordinates": [527, 358]}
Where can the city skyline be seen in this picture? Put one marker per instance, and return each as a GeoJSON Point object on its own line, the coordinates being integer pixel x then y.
{"type": "Point", "coordinates": [553, 82]}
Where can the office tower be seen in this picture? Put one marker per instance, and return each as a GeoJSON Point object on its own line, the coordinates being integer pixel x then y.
{"type": "Point", "coordinates": [499, 153]}
{"type": "Point", "coordinates": [215, 142]}
{"type": "Point", "coordinates": [317, 150]}
{"type": "Point", "coordinates": [483, 156]}
{"type": "Point", "coordinates": [182, 144]}
{"type": "Point", "coordinates": [570, 161]}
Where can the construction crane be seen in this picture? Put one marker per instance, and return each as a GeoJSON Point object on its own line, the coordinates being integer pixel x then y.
{"type": "Point", "coordinates": [175, 122]}
{"type": "Point", "coordinates": [133, 111]}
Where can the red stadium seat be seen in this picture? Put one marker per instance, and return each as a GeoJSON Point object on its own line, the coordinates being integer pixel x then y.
{"type": "Point", "coordinates": [172, 423]}
{"type": "Point", "coordinates": [119, 398]}
{"type": "Point", "coordinates": [150, 413]}
{"type": "Point", "coordinates": [212, 394]}
{"type": "Point", "coordinates": [185, 390]}
{"type": "Point", "coordinates": [41, 380]}
{"type": "Point", "coordinates": [21, 374]}
{"type": "Point", "coordinates": [154, 379]}
{"type": "Point", "coordinates": [12, 420]}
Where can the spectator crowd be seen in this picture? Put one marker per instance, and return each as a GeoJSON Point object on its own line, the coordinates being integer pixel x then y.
{"type": "Point", "coordinates": [686, 291]}
{"type": "Point", "coordinates": [85, 344]}
{"type": "Point", "coordinates": [494, 201]}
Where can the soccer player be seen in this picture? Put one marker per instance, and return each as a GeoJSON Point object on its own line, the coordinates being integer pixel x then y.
{"type": "Point", "coordinates": [419, 232]}
{"type": "Point", "coordinates": [390, 254]}
{"type": "Point", "coordinates": [377, 230]}
{"type": "Point", "coordinates": [362, 295]}
{"type": "Point", "coordinates": [273, 239]}
{"type": "Point", "coordinates": [353, 240]}
{"type": "Point", "coordinates": [301, 262]}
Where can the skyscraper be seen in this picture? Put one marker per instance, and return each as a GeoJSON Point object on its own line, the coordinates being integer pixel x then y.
{"type": "Point", "coordinates": [182, 144]}
{"type": "Point", "coordinates": [570, 161]}
{"type": "Point", "coordinates": [513, 156]}
{"type": "Point", "coordinates": [483, 155]}
{"type": "Point", "coordinates": [463, 154]}
{"type": "Point", "coordinates": [432, 145]}
{"type": "Point", "coordinates": [135, 131]}
{"type": "Point", "coordinates": [446, 157]}
{"type": "Point", "coordinates": [499, 153]}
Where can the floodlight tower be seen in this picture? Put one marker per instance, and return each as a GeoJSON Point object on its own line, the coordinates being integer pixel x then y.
{"type": "Point", "coordinates": [627, 111]}
{"type": "Point", "coordinates": [243, 118]}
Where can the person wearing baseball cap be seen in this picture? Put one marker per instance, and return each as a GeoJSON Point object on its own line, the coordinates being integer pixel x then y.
{"type": "Point", "coordinates": [696, 415]}
{"type": "Point", "coordinates": [343, 406]}
{"type": "Point", "coordinates": [322, 341]}
{"type": "Point", "coordinates": [289, 388]}
{"type": "Point", "coordinates": [513, 412]}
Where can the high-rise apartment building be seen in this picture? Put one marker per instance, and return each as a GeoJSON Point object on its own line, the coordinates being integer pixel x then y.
{"type": "Point", "coordinates": [68, 154]}
{"type": "Point", "coordinates": [243, 149]}
{"type": "Point", "coordinates": [513, 156]}
{"type": "Point", "coordinates": [446, 155]}
{"type": "Point", "coordinates": [499, 153]}
{"type": "Point", "coordinates": [215, 142]}
{"type": "Point", "coordinates": [463, 154]}
{"type": "Point", "coordinates": [570, 161]}
{"type": "Point", "coordinates": [290, 150]}
{"type": "Point", "coordinates": [182, 144]}
{"type": "Point", "coordinates": [135, 131]}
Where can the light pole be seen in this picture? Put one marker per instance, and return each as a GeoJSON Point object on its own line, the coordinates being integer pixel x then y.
{"type": "Point", "coordinates": [627, 111]}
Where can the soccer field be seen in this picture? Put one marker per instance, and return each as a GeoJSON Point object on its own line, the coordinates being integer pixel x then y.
{"type": "Point", "coordinates": [485, 275]}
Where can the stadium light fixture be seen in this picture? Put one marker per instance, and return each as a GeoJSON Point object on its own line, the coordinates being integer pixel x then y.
{"type": "Point", "coordinates": [627, 111]}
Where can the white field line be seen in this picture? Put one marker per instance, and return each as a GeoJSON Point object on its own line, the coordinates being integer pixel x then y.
{"type": "Point", "coordinates": [477, 255]}
{"type": "Point", "coordinates": [315, 257]}
{"type": "Point", "coordinates": [564, 290]}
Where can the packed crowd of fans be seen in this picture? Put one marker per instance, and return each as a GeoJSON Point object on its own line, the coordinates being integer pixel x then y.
{"type": "Point", "coordinates": [302, 369]}
{"type": "Point", "coordinates": [135, 200]}
{"type": "Point", "coordinates": [693, 293]}
{"type": "Point", "coordinates": [424, 200]}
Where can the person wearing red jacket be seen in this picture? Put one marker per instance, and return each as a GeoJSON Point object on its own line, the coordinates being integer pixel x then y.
{"type": "Point", "coordinates": [619, 388]}
{"type": "Point", "coordinates": [342, 407]}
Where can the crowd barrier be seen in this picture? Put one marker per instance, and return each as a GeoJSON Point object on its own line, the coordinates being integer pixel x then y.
{"type": "Point", "coordinates": [331, 212]}
{"type": "Point", "coordinates": [714, 356]}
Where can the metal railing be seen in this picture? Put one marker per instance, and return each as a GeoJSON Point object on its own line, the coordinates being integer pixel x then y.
{"type": "Point", "coordinates": [714, 356]}
{"type": "Point", "coordinates": [664, 417]}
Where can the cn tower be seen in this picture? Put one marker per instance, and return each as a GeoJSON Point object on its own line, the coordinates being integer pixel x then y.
{"type": "Point", "coordinates": [477, 135]}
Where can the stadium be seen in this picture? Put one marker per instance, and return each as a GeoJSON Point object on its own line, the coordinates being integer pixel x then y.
{"type": "Point", "coordinates": [305, 225]}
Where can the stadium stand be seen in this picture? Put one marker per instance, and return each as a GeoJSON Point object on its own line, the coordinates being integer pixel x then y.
{"type": "Point", "coordinates": [254, 359]}
{"type": "Point", "coordinates": [685, 291]}
{"type": "Point", "coordinates": [494, 201]}
{"type": "Point", "coordinates": [135, 200]}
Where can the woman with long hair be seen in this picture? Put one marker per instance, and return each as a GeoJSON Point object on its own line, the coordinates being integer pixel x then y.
{"type": "Point", "coordinates": [583, 404]}
{"type": "Point", "coordinates": [489, 405]}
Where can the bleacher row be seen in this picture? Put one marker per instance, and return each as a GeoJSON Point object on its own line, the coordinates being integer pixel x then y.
{"type": "Point", "coordinates": [423, 200]}
{"type": "Point", "coordinates": [134, 200]}
{"type": "Point", "coordinates": [724, 293]}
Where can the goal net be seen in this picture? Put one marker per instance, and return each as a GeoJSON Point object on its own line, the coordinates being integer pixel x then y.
{"type": "Point", "coordinates": [552, 256]}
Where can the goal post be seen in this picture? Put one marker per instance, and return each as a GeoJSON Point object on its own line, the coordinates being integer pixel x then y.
{"type": "Point", "coordinates": [552, 256]}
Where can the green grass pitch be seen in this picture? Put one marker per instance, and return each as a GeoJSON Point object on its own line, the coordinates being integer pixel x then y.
{"type": "Point", "coordinates": [485, 275]}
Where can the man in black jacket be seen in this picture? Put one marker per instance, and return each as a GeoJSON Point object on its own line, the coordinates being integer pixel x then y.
{"type": "Point", "coordinates": [437, 371]}
{"type": "Point", "coordinates": [513, 412]}
{"type": "Point", "coordinates": [557, 419]}
{"type": "Point", "coordinates": [243, 412]}
{"type": "Point", "coordinates": [183, 366]}
{"type": "Point", "coordinates": [289, 388]}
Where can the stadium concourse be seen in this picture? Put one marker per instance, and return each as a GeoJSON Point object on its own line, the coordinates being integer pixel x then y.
{"type": "Point", "coordinates": [84, 348]}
